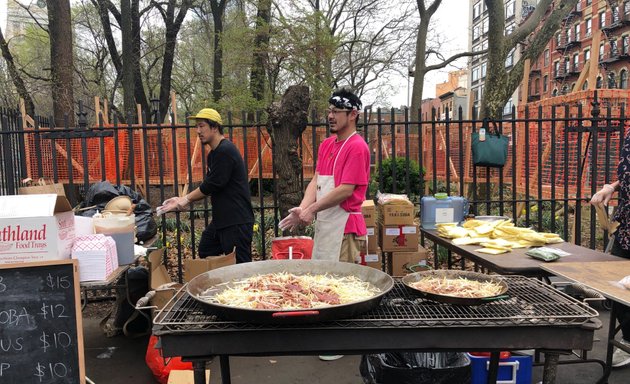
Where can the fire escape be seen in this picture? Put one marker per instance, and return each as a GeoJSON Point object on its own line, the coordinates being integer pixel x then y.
{"type": "Point", "coordinates": [568, 40]}
{"type": "Point", "coordinates": [620, 18]}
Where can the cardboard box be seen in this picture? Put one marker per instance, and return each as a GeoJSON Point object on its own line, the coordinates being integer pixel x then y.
{"type": "Point", "coordinates": [399, 238]}
{"type": "Point", "coordinates": [397, 214]}
{"type": "Point", "coordinates": [161, 281]}
{"type": "Point", "coordinates": [35, 228]}
{"type": "Point", "coordinates": [179, 376]}
{"type": "Point", "coordinates": [369, 213]}
{"type": "Point", "coordinates": [403, 261]}
{"type": "Point", "coordinates": [372, 239]}
{"type": "Point", "coordinates": [373, 259]}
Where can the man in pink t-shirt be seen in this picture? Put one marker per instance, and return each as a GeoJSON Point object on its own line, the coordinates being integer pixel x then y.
{"type": "Point", "coordinates": [338, 188]}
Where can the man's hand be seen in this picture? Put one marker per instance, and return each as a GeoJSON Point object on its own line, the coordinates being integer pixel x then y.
{"type": "Point", "coordinates": [173, 204]}
{"type": "Point", "coordinates": [292, 221]}
{"type": "Point", "coordinates": [307, 216]}
{"type": "Point", "coordinates": [603, 196]}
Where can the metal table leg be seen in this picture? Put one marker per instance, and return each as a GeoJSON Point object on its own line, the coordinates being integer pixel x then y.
{"type": "Point", "coordinates": [199, 372]}
{"type": "Point", "coordinates": [493, 369]}
{"type": "Point", "coordinates": [550, 371]}
{"type": "Point", "coordinates": [612, 331]}
{"type": "Point", "coordinates": [225, 369]}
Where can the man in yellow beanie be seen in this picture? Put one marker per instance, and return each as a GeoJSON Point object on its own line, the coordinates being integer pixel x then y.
{"type": "Point", "coordinates": [226, 184]}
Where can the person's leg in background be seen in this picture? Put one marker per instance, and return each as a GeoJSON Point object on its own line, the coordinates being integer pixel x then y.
{"type": "Point", "coordinates": [621, 358]}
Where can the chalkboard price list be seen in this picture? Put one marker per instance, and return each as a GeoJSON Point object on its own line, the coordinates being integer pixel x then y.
{"type": "Point", "coordinates": [40, 336]}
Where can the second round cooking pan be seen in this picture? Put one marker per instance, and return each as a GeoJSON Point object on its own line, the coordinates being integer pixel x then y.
{"type": "Point", "coordinates": [455, 274]}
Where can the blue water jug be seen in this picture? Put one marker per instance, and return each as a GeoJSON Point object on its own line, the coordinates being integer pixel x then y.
{"type": "Point", "coordinates": [442, 208]}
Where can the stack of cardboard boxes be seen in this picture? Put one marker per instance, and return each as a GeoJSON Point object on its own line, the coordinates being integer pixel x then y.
{"type": "Point", "coordinates": [392, 233]}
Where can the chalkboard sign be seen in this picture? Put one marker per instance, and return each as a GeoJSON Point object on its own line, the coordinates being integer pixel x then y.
{"type": "Point", "coordinates": [41, 338]}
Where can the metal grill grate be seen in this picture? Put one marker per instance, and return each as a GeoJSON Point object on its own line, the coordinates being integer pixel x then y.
{"type": "Point", "coordinates": [531, 303]}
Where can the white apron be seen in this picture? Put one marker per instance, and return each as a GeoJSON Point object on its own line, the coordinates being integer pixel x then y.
{"type": "Point", "coordinates": [331, 222]}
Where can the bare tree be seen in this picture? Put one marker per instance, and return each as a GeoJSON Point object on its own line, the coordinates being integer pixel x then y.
{"type": "Point", "coordinates": [423, 53]}
{"type": "Point", "coordinates": [16, 78]}
{"type": "Point", "coordinates": [173, 14]}
{"type": "Point", "coordinates": [531, 37]}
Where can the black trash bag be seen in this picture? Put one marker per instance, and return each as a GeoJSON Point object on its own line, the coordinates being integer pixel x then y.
{"type": "Point", "coordinates": [128, 319]}
{"type": "Point", "coordinates": [416, 368]}
{"type": "Point", "coordinates": [102, 192]}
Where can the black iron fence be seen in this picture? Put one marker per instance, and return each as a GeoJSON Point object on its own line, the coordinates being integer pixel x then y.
{"type": "Point", "coordinates": [558, 156]}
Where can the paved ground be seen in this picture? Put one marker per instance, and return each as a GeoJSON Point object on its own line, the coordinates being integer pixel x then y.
{"type": "Point", "coordinates": [122, 360]}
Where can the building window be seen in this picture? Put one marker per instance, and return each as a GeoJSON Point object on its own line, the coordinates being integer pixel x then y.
{"type": "Point", "coordinates": [509, 61]}
{"type": "Point", "coordinates": [556, 68]}
{"type": "Point", "coordinates": [602, 19]}
{"type": "Point", "coordinates": [601, 51]}
{"type": "Point", "coordinates": [477, 10]}
{"type": "Point", "coordinates": [545, 82]}
{"type": "Point", "coordinates": [588, 27]}
{"type": "Point", "coordinates": [589, 2]}
{"type": "Point", "coordinates": [510, 8]}
{"type": "Point", "coordinates": [576, 32]}
{"type": "Point", "coordinates": [598, 83]}
{"type": "Point", "coordinates": [626, 8]}
{"type": "Point", "coordinates": [509, 28]}
{"type": "Point", "coordinates": [484, 44]}
{"type": "Point", "coordinates": [484, 26]}
{"type": "Point", "coordinates": [558, 40]}
{"type": "Point", "coordinates": [507, 109]}
{"type": "Point", "coordinates": [475, 74]}
{"type": "Point", "coordinates": [585, 85]}
{"type": "Point", "coordinates": [483, 70]}
{"type": "Point", "coordinates": [625, 44]}
{"type": "Point", "coordinates": [623, 79]}
{"type": "Point", "coordinates": [554, 93]}
{"type": "Point", "coordinates": [576, 62]}
{"type": "Point", "coordinates": [587, 54]}
{"type": "Point", "coordinates": [546, 58]}
{"type": "Point", "coordinates": [476, 33]}
{"type": "Point", "coordinates": [537, 87]}
{"type": "Point", "coordinates": [567, 64]}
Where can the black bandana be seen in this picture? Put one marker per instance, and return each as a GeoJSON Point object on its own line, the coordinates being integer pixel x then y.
{"type": "Point", "coordinates": [345, 103]}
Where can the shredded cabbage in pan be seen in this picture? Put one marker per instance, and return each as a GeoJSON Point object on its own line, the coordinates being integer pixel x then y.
{"type": "Point", "coordinates": [287, 291]}
{"type": "Point", "coordinates": [458, 287]}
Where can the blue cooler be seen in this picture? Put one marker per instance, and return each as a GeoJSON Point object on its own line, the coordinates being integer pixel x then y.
{"type": "Point", "coordinates": [442, 208]}
{"type": "Point", "coordinates": [513, 370]}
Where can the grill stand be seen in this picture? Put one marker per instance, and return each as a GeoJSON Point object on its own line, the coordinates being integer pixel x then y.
{"type": "Point", "coordinates": [535, 317]}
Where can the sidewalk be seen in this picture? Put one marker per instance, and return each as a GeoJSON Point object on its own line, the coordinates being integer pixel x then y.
{"type": "Point", "coordinates": [121, 360]}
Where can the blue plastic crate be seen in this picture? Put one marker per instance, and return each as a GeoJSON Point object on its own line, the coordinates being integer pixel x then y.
{"type": "Point", "coordinates": [514, 370]}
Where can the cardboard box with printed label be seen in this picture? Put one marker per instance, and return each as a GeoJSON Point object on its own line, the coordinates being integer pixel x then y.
{"type": "Point", "coordinates": [372, 239]}
{"type": "Point", "coordinates": [409, 262]}
{"type": "Point", "coordinates": [399, 238]}
{"type": "Point", "coordinates": [396, 214]}
{"type": "Point", "coordinates": [369, 213]}
{"type": "Point", "coordinates": [161, 281]}
{"type": "Point", "coordinates": [35, 228]}
{"type": "Point", "coordinates": [373, 259]}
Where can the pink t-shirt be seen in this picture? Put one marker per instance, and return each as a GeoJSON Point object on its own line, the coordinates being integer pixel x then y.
{"type": "Point", "coordinates": [353, 167]}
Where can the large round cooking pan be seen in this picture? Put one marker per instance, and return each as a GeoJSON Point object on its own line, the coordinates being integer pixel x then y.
{"type": "Point", "coordinates": [454, 274]}
{"type": "Point", "coordinates": [216, 278]}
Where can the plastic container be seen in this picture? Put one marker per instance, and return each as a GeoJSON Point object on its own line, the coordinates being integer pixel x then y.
{"type": "Point", "coordinates": [122, 229]}
{"type": "Point", "coordinates": [441, 208]}
{"type": "Point", "coordinates": [513, 370]}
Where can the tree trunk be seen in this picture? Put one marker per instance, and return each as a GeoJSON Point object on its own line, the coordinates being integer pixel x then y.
{"type": "Point", "coordinates": [15, 76]}
{"type": "Point", "coordinates": [128, 82]}
{"type": "Point", "coordinates": [218, 9]}
{"type": "Point", "coordinates": [287, 121]}
{"type": "Point", "coordinates": [531, 37]}
{"type": "Point", "coordinates": [61, 61]}
{"type": "Point", "coordinates": [261, 44]}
